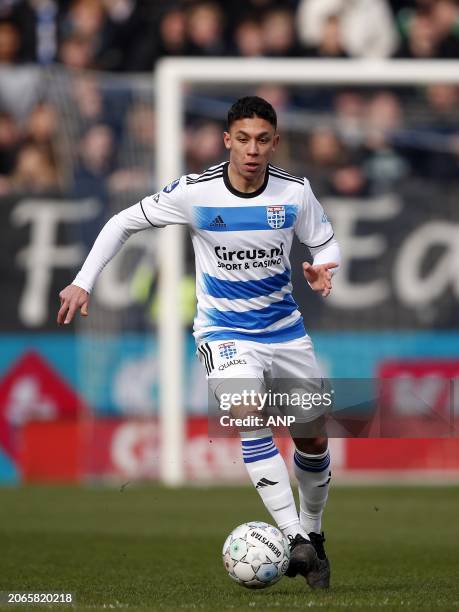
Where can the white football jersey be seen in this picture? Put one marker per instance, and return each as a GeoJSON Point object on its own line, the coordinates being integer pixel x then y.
{"type": "Point", "coordinates": [242, 243]}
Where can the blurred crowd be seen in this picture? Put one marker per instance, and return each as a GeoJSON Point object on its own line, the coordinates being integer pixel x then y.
{"type": "Point", "coordinates": [354, 142]}
{"type": "Point", "coordinates": [131, 35]}
{"type": "Point", "coordinates": [74, 121]}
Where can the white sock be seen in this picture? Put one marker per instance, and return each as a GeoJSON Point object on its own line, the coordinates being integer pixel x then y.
{"type": "Point", "coordinates": [269, 474]}
{"type": "Point", "coordinates": [313, 475]}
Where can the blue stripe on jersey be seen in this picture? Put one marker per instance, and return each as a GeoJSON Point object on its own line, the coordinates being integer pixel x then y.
{"type": "Point", "coordinates": [235, 290]}
{"type": "Point", "coordinates": [251, 319]}
{"type": "Point", "coordinates": [292, 332]}
{"type": "Point", "coordinates": [244, 218]}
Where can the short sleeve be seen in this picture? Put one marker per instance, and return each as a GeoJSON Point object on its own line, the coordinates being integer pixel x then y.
{"type": "Point", "coordinates": [312, 226]}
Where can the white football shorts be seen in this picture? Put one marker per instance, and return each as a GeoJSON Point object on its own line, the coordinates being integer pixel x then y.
{"type": "Point", "coordinates": [291, 367]}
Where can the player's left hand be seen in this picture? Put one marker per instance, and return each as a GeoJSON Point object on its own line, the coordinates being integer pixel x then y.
{"type": "Point", "coordinates": [319, 276]}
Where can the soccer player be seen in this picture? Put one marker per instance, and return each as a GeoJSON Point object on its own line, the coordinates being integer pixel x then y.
{"type": "Point", "coordinates": [242, 215]}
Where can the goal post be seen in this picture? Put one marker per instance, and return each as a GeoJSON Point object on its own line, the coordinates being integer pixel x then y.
{"type": "Point", "coordinates": [170, 78]}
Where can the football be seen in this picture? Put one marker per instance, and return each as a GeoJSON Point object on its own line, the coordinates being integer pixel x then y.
{"type": "Point", "coordinates": [256, 555]}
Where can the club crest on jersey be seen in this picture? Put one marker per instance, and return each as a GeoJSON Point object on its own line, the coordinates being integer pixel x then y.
{"type": "Point", "coordinates": [227, 350]}
{"type": "Point", "coordinates": [276, 216]}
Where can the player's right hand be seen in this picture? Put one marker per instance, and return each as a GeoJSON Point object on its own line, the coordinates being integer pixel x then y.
{"type": "Point", "coordinates": [319, 276]}
{"type": "Point", "coordinates": [72, 298]}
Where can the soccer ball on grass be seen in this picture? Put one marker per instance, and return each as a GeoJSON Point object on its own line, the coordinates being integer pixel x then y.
{"type": "Point", "coordinates": [256, 555]}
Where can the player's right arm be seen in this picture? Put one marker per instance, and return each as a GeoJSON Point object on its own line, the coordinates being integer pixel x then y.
{"type": "Point", "coordinates": [158, 210]}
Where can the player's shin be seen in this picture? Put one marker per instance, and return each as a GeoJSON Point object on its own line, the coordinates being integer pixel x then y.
{"type": "Point", "coordinates": [269, 475]}
{"type": "Point", "coordinates": [313, 474]}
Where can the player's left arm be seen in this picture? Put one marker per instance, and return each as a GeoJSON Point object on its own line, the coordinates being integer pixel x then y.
{"type": "Point", "coordinates": [314, 230]}
{"type": "Point", "coordinates": [326, 261]}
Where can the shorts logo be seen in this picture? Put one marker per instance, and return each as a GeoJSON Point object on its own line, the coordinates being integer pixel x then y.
{"type": "Point", "coordinates": [276, 216]}
{"type": "Point", "coordinates": [227, 350]}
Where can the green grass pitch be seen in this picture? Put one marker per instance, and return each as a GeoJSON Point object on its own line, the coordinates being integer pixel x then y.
{"type": "Point", "coordinates": [148, 548]}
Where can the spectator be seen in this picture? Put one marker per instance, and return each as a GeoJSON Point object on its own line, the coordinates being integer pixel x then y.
{"type": "Point", "coordinates": [248, 39]}
{"type": "Point", "coordinates": [85, 18]}
{"type": "Point", "coordinates": [383, 165]}
{"type": "Point", "coordinates": [96, 162]}
{"type": "Point", "coordinates": [85, 34]}
{"type": "Point", "coordinates": [77, 52]}
{"type": "Point", "coordinates": [443, 100]}
{"type": "Point", "coordinates": [204, 26]}
{"type": "Point", "coordinates": [349, 181]}
{"type": "Point", "coordinates": [367, 26]}
{"type": "Point", "coordinates": [172, 38]}
{"type": "Point", "coordinates": [383, 117]}
{"type": "Point", "coordinates": [41, 126]}
{"type": "Point", "coordinates": [334, 169]}
{"type": "Point", "coordinates": [420, 41]}
{"type": "Point", "coordinates": [441, 134]}
{"type": "Point", "coordinates": [46, 30]}
{"type": "Point", "coordinates": [168, 40]}
{"type": "Point", "coordinates": [22, 15]}
{"type": "Point", "coordinates": [88, 104]}
{"type": "Point", "coordinates": [279, 34]}
{"type": "Point", "coordinates": [92, 173]}
{"type": "Point", "coordinates": [277, 95]}
{"type": "Point", "coordinates": [136, 174]}
{"type": "Point", "coordinates": [250, 10]}
{"type": "Point", "coordinates": [324, 155]}
{"type": "Point", "coordinates": [204, 146]}
{"type": "Point", "coordinates": [39, 23]}
{"type": "Point", "coordinates": [35, 172]}
{"type": "Point", "coordinates": [140, 133]}
{"type": "Point", "coordinates": [445, 18]}
{"type": "Point", "coordinates": [10, 43]}
{"type": "Point", "coordinates": [330, 43]}
{"type": "Point", "coordinates": [87, 96]}
{"type": "Point", "coordinates": [123, 26]}
{"type": "Point", "coordinates": [349, 109]}
{"type": "Point", "coordinates": [324, 150]}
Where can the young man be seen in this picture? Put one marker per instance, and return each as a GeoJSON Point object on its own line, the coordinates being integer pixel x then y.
{"type": "Point", "coordinates": [242, 215]}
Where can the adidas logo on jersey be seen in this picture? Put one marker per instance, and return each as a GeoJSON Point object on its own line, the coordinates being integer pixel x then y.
{"type": "Point", "coordinates": [218, 222]}
{"type": "Point", "coordinates": [264, 482]}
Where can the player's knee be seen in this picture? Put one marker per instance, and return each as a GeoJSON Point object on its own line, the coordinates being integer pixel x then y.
{"type": "Point", "coordinates": [312, 446]}
{"type": "Point", "coordinates": [244, 410]}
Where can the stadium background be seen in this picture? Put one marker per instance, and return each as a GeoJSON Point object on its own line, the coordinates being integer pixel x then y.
{"type": "Point", "coordinates": [77, 143]}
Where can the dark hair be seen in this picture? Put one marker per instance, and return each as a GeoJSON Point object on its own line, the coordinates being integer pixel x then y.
{"type": "Point", "coordinates": [251, 106]}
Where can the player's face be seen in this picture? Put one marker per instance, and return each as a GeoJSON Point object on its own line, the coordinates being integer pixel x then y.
{"type": "Point", "coordinates": [251, 142]}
